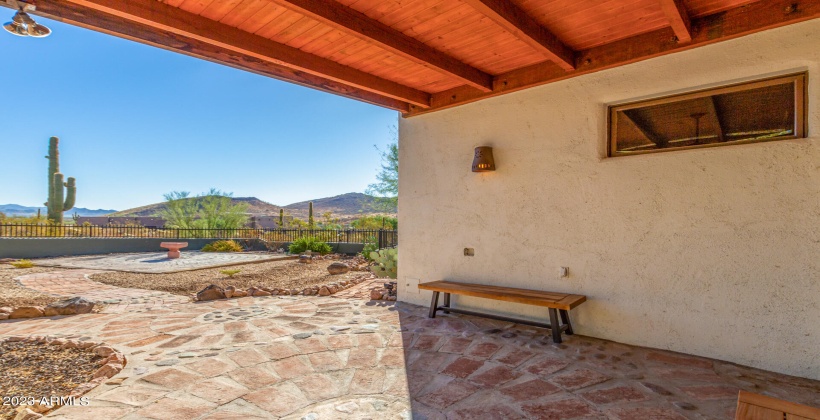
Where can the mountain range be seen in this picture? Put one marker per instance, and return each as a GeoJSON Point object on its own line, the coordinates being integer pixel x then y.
{"type": "Point", "coordinates": [25, 211]}
{"type": "Point", "coordinates": [344, 207]}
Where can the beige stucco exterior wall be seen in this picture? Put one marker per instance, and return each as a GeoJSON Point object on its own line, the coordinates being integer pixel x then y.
{"type": "Point", "coordinates": [713, 252]}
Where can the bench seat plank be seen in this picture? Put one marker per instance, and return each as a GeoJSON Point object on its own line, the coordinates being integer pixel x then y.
{"type": "Point", "coordinates": [531, 297]}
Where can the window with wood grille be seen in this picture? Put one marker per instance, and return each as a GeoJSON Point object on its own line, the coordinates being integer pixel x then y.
{"type": "Point", "coordinates": [764, 110]}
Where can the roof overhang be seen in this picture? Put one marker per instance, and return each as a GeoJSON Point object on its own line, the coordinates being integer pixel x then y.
{"type": "Point", "coordinates": [426, 55]}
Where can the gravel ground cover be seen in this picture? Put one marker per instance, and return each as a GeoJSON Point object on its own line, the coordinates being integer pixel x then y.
{"type": "Point", "coordinates": [34, 370]}
{"type": "Point", "coordinates": [12, 294]}
{"type": "Point", "coordinates": [288, 274]}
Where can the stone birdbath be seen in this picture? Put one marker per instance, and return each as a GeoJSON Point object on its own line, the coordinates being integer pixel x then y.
{"type": "Point", "coordinates": [173, 248]}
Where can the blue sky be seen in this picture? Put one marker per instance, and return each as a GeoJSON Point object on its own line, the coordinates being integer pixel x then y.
{"type": "Point", "coordinates": [136, 122]}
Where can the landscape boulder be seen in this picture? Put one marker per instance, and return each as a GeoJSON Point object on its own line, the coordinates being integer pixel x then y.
{"type": "Point", "coordinates": [305, 259]}
{"type": "Point", "coordinates": [212, 292]}
{"type": "Point", "coordinates": [73, 306]}
{"type": "Point", "coordinates": [230, 291]}
{"type": "Point", "coordinates": [338, 268]}
{"type": "Point", "coordinates": [6, 310]}
{"type": "Point", "coordinates": [27, 414]}
{"type": "Point", "coordinates": [260, 292]}
{"type": "Point", "coordinates": [26, 312]}
{"type": "Point", "coordinates": [3, 316]}
{"type": "Point", "coordinates": [324, 291]}
{"type": "Point", "coordinates": [376, 294]}
{"type": "Point", "coordinates": [239, 293]}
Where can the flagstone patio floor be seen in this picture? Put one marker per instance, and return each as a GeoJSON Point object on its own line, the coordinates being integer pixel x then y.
{"type": "Point", "coordinates": [309, 357]}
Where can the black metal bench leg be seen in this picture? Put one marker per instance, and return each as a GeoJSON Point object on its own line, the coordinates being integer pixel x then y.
{"type": "Point", "coordinates": [555, 326]}
{"type": "Point", "coordinates": [446, 303]}
{"type": "Point", "coordinates": [565, 320]}
{"type": "Point", "coordinates": [433, 305]}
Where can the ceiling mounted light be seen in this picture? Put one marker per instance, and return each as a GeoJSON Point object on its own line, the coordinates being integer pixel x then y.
{"type": "Point", "coordinates": [23, 25]}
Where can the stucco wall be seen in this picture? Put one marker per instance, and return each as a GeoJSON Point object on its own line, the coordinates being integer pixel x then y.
{"type": "Point", "coordinates": [713, 252]}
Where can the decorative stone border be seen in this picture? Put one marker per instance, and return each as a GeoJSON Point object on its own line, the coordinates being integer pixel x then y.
{"type": "Point", "coordinates": [214, 292]}
{"type": "Point", "coordinates": [112, 363]}
{"type": "Point", "coordinates": [72, 306]}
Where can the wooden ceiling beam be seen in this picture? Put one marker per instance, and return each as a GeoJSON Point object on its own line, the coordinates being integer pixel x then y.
{"type": "Point", "coordinates": [112, 25]}
{"type": "Point", "coordinates": [521, 25]}
{"type": "Point", "coordinates": [678, 17]}
{"type": "Point", "coordinates": [641, 126]}
{"type": "Point", "coordinates": [153, 14]}
{"type": "Point", "coordinates": [730, 24]}
{"type": "Point", "coordinates": [716, 118]}
{"type": "Point", "coordinates": [360, 25]}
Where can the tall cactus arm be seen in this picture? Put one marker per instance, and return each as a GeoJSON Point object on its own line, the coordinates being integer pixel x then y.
{"type": "Point", "coordinates": [71, 193]}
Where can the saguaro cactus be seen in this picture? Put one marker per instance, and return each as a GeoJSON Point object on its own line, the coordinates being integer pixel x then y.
{"type": "Point", "coordinates": [58, 200]}
{"type": "Point", "coordinates": [310, 215]}
{"type": "Point", "coordinates": [281, 218]}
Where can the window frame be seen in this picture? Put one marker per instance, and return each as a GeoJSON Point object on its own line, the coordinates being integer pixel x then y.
{"type": "Point", "coordinates": [799, 80]}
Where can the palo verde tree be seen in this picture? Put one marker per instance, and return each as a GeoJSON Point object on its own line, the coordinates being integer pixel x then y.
{"type": "Point", "coordinates": [214, 209]}
{"type": "Point", "coordinates": [386, 189]}
{"type": "Point", "coordinates": [58, 200]}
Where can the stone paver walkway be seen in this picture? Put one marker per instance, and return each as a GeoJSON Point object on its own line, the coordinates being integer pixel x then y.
{"type": "Point", "coordinates": [72, 283]}
{"type": "Point", "coordinates": [346, 357]}
{"type": "Point", "coordinates": [158, 262]}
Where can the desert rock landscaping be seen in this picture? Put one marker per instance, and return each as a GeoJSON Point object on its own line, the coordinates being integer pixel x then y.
{"type": "Point", "coordinates": [39, 374]}
{"type": "Point", "coordinates": [279, 275]}
{"type": "Point", "coordinates": [14, 295]}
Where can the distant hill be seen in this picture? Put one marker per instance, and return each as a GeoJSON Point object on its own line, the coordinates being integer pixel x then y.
{"type": "Point", "coordinates": [345, 207]}
{"type": "Point", "coordinates": [25, 211]}
{"type": "Point", "coordinates": [350, 205]}
{"type": "Point", "coordinates": [255, 207]}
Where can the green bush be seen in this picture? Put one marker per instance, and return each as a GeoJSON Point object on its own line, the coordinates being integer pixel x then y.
{"type": "Point", "coordinates": [370, 246]}
{"type": "Point", "coordinates": [222, 246]}
{"type": "Point", "coordinates": [309, 243]}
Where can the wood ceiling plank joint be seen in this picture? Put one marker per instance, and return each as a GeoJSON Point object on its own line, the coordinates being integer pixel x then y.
{"type": "Point", "coordinates": [524, 27]}
{"type": "Point", "coordinates": [678, 17]}
{"type": "Point", "coordinates": [358, 24]}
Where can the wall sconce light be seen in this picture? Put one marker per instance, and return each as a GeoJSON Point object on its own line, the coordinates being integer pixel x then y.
{"type": "Point", "coordinates": [483, 160]}
{"type": "Point", "coordinates": [23, 25]}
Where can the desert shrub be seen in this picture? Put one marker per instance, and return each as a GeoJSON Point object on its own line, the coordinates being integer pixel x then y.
{"type": "Point", "coordinates": [375, 222]}
{"type": "Point", "coordinates": [370, 246]}
{"type": "Point", "coordinates": [222, 246]}
{"type": "Point", "coordinates": [22, 264]}
{"type": "Point", "coordinates": [230, 273]}
{"type": "Point", "coordinates": [309, 243]}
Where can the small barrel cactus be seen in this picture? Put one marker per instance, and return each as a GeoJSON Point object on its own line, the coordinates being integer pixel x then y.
{"type": "Point", "coordinates": [387, 262]}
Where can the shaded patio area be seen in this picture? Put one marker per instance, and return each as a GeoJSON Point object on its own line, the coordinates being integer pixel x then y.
{"type": "Point", "coordinates": [348, 357]}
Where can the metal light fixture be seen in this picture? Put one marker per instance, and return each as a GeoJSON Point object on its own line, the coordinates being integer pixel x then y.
{"type": "Point", "coordinates": [483, 160]}
{"type": "Point", "coordinates": [23, 25]}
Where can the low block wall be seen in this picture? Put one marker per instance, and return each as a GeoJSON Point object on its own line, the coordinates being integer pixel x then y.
{"type": "Point", "coordinates": [58, 247]}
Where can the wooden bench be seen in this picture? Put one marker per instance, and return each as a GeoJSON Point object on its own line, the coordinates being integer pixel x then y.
{"type": "Point", "coordinates": [558, 303]}
{"type": "Point", "coordinates": [760, 407]}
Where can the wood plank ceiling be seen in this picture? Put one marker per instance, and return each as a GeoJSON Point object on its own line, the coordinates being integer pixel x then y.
{"type": "Point", "coordinates": [418, 56]}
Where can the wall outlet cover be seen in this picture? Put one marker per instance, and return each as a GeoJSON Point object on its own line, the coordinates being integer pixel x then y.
{"type": "Point", "coordinates": [411, 285]}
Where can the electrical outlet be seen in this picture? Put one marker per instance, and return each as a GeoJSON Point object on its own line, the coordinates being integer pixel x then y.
{"type": "Point", "coordinates": [411, 285]}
